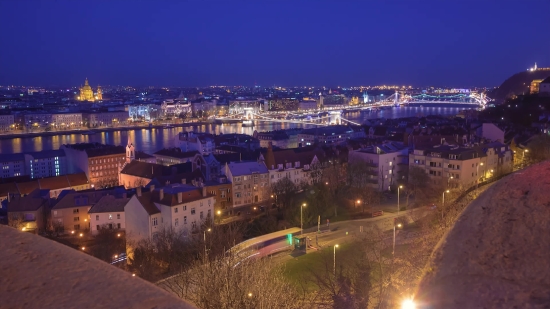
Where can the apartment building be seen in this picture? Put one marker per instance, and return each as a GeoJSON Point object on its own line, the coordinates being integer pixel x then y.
{"type": "Point", "coordinates": [171, 156]}
{"type": "Point", "coordinates": [250, 182]}
{"type": "Point", "coordinates": [294, 164]}
{"type": "Point", "coordinates": [456, 166]}
{"type": "Point", "coordinates": [101, 163]}
{"type": "Point", "coordinates": [71, 209]}
{"type": "Point", "coordinates": [105, 119]}
{"type": "Point", "coordinates": [190, 141]}
{"type": "Point", "coordinates": [29, 212]}
{"type": "Point", "coordinates": [7, 123]}
{"type": "Point", "coordinates": [178, 206]}
{"type": "Point", "coordinates": [108, 213]}
{"type": "Point", "coordinates": [385, 162]}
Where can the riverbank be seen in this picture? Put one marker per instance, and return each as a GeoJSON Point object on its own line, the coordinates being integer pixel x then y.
{"type": "Point", "coordinates": [88, 131]}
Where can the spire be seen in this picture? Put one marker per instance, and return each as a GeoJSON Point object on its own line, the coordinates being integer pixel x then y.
{"type": "Point", "coordinates": [86, 82]}
{"type": "Point", "coordinates": [129, 141]}
{"type": "Point", "coordinates": [535, 66]}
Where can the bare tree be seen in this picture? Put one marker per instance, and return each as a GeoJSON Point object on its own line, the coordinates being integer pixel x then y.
{"type": "Point", "coordinates": [231, 283]}
{"type": "Point", "coordinates": [284, 190]}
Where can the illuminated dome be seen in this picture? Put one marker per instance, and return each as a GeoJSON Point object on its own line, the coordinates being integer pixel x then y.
{"type": "Point", "coordinates": [86, 92]}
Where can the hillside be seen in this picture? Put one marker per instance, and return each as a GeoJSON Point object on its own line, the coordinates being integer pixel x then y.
{"type": "Point", "coordinates": [517, 84]}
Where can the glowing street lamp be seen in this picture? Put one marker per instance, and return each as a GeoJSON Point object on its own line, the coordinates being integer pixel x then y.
{"type": "Point", "coordinates": [398, 208]}
{"type": "Point", "coordinates": [301, 218]}
{"type": "Point", "coordinates": [444, 197]}
{"type": "Point", "coordinates": [408, 304]}
{"type": "Point", "coordinates": [334, 267]}
{"type": "Point", "coordinates": [398, 225]}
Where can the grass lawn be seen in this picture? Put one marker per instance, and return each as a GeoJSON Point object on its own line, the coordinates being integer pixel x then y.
{"type": "Point", "coordinates": [302, 267]}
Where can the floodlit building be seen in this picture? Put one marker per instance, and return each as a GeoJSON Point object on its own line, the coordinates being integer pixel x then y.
{"type": "Point", "coordinates": [105, 119]}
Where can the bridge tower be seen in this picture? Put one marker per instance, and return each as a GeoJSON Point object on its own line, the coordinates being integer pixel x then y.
{"type": "Point", "coordinates": [395, 100]}
{"type": "Point", "coordinates": [365, 97]}
{"type": "Point", "coordinates": [335, 117]}
{"type": "Point", "coordinates": [248, 113]}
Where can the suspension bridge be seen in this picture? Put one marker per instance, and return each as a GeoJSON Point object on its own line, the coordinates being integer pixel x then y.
{"type": "Point", "coordinates": [332, 115]}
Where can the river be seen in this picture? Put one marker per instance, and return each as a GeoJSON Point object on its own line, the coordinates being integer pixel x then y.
{"type": "Point", "coordinates": [151, 140]}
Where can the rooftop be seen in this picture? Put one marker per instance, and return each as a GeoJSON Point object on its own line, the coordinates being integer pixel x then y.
{"type": "Point", "coordinates": [247, 168]}
{"type": "Point", "coordinates": [31, 202]}
{"type": "Point", "coordinates": [176, 153]}
{"type": "Point", "coordinates": [109, 203]}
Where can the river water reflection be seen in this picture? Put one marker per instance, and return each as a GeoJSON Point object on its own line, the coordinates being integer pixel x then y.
{"type": "Point", "coordinates": [151, 140]}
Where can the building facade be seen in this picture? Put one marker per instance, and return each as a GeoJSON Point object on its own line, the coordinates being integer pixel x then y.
{"type": "Point", "coordinates": [108, 213]}
{"type": "Point", "coordinates": [250, 182]}
{"type": "Point", "coordinates": [105, 119]}
{"type": "Point", "coordinates": [385, 163]}
{"type": "Point", "coordinates": [7, 123]}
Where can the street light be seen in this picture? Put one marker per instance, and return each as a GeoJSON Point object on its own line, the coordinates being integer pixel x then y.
{"type": "Point", "coordinates": [398, 225]}
{"type": "Point", "coordinates": [408, 304]}
{"type": "Point", "coordinates": [400, 187]}
{"type": "Point", "coordinates": [204, 234]}
{"type": "Point", "coordinates": [301, 218]}
{"type": "Point", "coordinates": [334, 267]}
{"type": "Point", "coordinates": [444, 197]}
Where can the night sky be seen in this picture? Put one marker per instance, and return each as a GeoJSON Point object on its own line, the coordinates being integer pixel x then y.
{"type": "Point", "coordinates": [459, 43]}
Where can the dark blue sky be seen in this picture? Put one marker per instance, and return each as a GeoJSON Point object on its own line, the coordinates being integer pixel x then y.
{"type": "Point", "coordinates": [195, 43]}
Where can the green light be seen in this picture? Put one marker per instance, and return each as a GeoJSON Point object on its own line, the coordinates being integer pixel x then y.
{"type": "Point", "coordinates": [289, 238]}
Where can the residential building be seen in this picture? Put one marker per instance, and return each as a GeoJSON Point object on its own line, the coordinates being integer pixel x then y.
{"type": "Point", "coordinates": [456, 166]}
{"type": "Point", "coordinates": [138, 174]}
{"type": "Point", "coordinates": [544, 87]}
{"type": "Point", "coordinates": [29, 212]}
{"type": "Point", "coordinates": [7, 123]}
{"type": "Point", "coordinates": [71, 209]}
{"type": "Point", "coordinates": [335, 134]}
{"type": "Point", "coordinates": [240, 140]}
{"type": "Point", "coordinates": [46, 163]}
{"type": "Point", "coordinates": [386, 163]}
{"type": "Point", "coordinates": [178, 206]}
{"type": "Point", "coordinates": [105, 119]}
{"type": "Point", "coordinates": [101, 163]}
{"type": "Point", "coordinates": [535, 84]}
{"type": "Point", "coordinates": [173, 156]}
{"type": "Point", "coordinates": [305, 105]}
{"type": "Point", "coordinates": [190, 141]}
{"type": "Point", "coordinates": [55, 185]}
{"type": "Point", "coordinates": [56, 121]}
{"type": "Point", "coordinates": [13, 165]}
{"type": "Point", "coordinates": [294, 164]}
{"type": "Point", "coordinates": [277, 138]}
{"type": "Point", "coordinates": [250, 182]}
{"type": "Point", "coordinates": [108, 213]}
{"type": "Point", "coordinates": [221, 190]}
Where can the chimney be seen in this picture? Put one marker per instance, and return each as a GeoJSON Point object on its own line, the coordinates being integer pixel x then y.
{"type": "Point", "coordinates": [184, 181]}
{"type": "Point", "coordinates": [180, 197]}
{"type": "Point", "coordinates": [152, 188]}
{"type": "Point", "coordinates": [161, 194]}
{"type": "Point", "coordinates": [203, 191]}
{"type": "Point", "coordinates": [138, 191]}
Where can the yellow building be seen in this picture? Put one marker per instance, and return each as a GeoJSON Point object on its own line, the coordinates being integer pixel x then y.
{"type": "Point", "coordinates": [535, 84]}
{"type": "Point", "coordinates": [87, 94]}
{"type": "Point", "coordinates": [99, 95]}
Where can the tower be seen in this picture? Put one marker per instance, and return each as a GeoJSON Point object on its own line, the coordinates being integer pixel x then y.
{"type": "Point", "coordinates": [99, 93]}
{"type": "Point", "coordinates": [535, 66]}
{"type": "Point", "coordinates": [130, 151]}
{"type": "Point", "coordinates": [86, 93]}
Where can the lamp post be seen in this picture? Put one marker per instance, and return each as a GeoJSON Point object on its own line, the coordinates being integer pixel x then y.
{"type": "Point", "coordinates": [204, 234]}
{"type": "Point", "coordinates": [398, 207]}
{"type": "Point", "coordinates": [444, 197]}
{"type": "Point", "coordinates": [523, 157]}
{"type": "Point", "coordinates": [301, 218]}
{"type": "Point", "coordinates": [398, 225]}
{"type": "Point", "coordinates": [334, 267]}
{"type": "Point", "coordinates": [449, 179]}
{"type": "Point", "coordinates": [477, 173]}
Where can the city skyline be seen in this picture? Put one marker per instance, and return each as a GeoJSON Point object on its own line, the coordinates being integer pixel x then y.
{"type": "Point", "coordinates": [321, 43]}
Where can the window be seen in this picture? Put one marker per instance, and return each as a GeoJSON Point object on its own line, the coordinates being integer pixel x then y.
{"type": "Point", "coordinates": [118, 225]}
{"type": "Point", "coordinates": [97, 217]}
{"type": "Point", "coordinates": [55, 212]}
{"type": "Point", "coordinates": [201, 204]}
{"type": "Point", "coordinates": [110, 217]}
{"type": "Point", "coordinates": [176, 222]}
{"type": "Point", "coordinates": [97, 227]}
{"type": "Point", "coordinates": [176, 210]}
{"type": "Point", "coordinates": [209, 213]}
{"type": "Point", "coordinates": [184, 219]}
{"type": "Point", "coordinates": [155, 222]}
{"type": "Point", "coordinates": [75, 211]}
{"type": "Point", "coordinates": [76, 219]}
{"type": "Point", "coordinates": [391, 163]}
{"type": "Point", "coordinates": [201, 215]}
{"type": "Point", "coordinates": [118, 216]}
{"type": "Point", "coordinates": [77, 227]}
{"type": "Point", "coordinates": [192, 211]}
{"type": "Point", "coordinates": [184, 207]}
{"type": "Point", "coordinates": [222, 194]}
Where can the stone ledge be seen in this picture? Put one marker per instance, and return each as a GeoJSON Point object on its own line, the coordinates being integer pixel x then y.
{"type": "Point", "coordinates": [36, 272]}
{"type": "Point", "coordinates": [496, 255]}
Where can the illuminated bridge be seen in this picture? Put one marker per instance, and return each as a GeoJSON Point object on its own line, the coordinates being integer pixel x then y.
{"type": "Point", "coordinates": [333, 115]}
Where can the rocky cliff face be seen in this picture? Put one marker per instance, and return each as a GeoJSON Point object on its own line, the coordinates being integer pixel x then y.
{"type": "Point", "coordinates": [498, 253]}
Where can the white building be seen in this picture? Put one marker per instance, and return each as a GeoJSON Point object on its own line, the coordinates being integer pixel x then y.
{"type": "Point", "coordinates": [250, 182]}
{"type": "Point", "coordinates": [386, 161]}
{"type": "Point", "coordinates": [45, 163]}
{"type": "Point", "coordinates": [58, 121]}
{"type": "Point", "coordinates": [7, 123]}
{"type": "Point", "coordinates": [178, 206]}
{"type": "Point", "coordinates": [294, 164]}
{"type": "Point", "coordinates": [108, 213]}
{"type": "Point", "coordinates": [190, 141]}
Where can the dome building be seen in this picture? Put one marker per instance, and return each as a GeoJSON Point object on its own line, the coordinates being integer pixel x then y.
{"type": "Point", "coordinates": [86, 92]}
